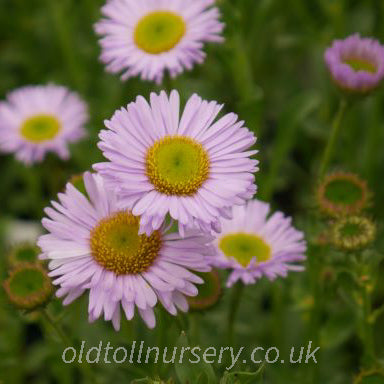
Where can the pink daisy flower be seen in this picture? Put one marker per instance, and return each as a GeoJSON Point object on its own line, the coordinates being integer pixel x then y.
{"type": "Point", "coordinates": [356, 63]}
{"type": "Point", "coordinates": [93, 245]}
{"type": "Point", "coordinates": [191, 167]}
{"type": "Point", "coordinates": [39, 119]}
{"type": "Point", "coordinates": [254, 245]}
{"type": "Point", "coordinates": [148, 37]}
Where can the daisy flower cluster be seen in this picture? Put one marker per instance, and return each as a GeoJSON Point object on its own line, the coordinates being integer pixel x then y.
{"type": "Point", "coordinates": [165, 166]}
{"type": "Point", "coordinates": [173, 197]}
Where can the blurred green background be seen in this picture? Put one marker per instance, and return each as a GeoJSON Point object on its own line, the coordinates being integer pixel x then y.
{"type": "Point", "coordinates": [271, 72]}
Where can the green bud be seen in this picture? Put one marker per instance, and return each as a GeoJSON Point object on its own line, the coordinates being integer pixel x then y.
{"type": "Point", "coordinates": [342, 194]}
{"type": "Point", "coordinates": [353, 233]}
{"type": "Point", "coordinates": [28, 286]}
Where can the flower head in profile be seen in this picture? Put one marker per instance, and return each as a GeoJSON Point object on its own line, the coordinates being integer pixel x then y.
{"type": "Point", "coordinates": [94, 246]}
{"type": "Point", "coordinates": [192, 167]}
{"type": "Point", "coordinates": [148, 37]}
{"type": "Point", "coordinates": [356, 63]}
{"type": "Point", "coordinates": [35, 120]}
{"type": "Point", "coordinates": [254, 245]}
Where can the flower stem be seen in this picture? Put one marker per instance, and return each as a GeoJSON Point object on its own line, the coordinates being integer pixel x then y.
{"type": "Point", "coordinates": [83, 367]}
{"type": "Point", "coordinates": [65, 41]}
{"type": "Point", "coordinates": [58, 329]}
{"type": "Point", "coordinates": [368, 340]}
{"type": "Point", "coordinates": [336, 125]}
{"type": "Point", "coordinates": [237, 293]}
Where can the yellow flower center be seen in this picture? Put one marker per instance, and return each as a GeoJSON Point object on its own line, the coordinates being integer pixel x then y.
{"type": "Point", "coordinates": [117, 246]}
{"type": "Point", "coordinates": [159, 31]}
{"type": "Point", "coordinates": [361, 65]}
{"type": "Point", "coordinates": [40, 128]}
{"type": "Point", "coordinates": [243, 247]}
{"type": "Point", "coordinates": [177, 165]}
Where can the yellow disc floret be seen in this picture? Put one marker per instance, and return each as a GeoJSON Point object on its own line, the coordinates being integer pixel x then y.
{"type": "Point", "coordinates": [177, 165]}
{"type": "Point", "coordinates": [40, 128]}
{"type": "Point", "coordinates": [159, 31]}
{"type": "Point", "coordinates": [117, 246]}
{"type": "Point", "coordinates": [361, 65]}
{"type": "Point", "coordinates": [243, 247]}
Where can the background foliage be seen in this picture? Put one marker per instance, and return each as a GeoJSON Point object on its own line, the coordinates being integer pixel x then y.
{"type": "Point", "coordinates": [271, 72]}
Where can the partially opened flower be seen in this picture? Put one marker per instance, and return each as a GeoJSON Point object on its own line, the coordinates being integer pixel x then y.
{"type": "Point", "coordinates": [254, 245]}
{"type": "Point", "coordinates": [191, 167]}
{"type": "Point", "coordinates": [356, 64]}
{"type": "Point", "coordinates": [148, 37]}
{"type": "Point", "coordinates": [39, 119]}
{"type": "Point", "coordinates": [94, 246]}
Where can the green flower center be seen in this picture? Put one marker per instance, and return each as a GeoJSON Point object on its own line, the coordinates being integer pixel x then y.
{"type": "Point", "coordinates": [159, 31]}
{"type": "Point", "coordinates": [40, 128]}
{"type": "Point", "coordinates": [177, 165]}
{"type": "Point", "coordinates": [27, 282]}
{"type": "Point", "coordinates": [343, 192]}
{"type": "Point", "coordinates": [361, 65]}
{"type": "Point", "coordinates": [117, 246]}
{"type": "Point", "coordinates": [243, 247]}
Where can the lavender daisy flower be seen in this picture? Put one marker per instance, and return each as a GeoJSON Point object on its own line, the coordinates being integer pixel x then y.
{"type": "Point", "coordinates": [148, 37]}
{"type": "Point", "coordinates": [356, 64]}
{"type": "Point", "coordinates": [191, 167]}
{"type": "Point", "coordinates": [39, 119]}
{"type": "Point", "coordinates": [254, 245]}
{"type": "Point", "coordinates": [94, 246]}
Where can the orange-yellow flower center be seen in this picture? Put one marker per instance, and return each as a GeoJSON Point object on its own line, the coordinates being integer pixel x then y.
{"type": "Point", "coordinates": [117, 246]}
{"type": "Point", "coordinates": [177, 165]}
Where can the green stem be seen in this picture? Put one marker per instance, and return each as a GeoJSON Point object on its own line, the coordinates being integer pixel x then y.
{"type": "Point", "coordinates": [367, 327]}
{"type": "Point", "coordinates": [58, 329]}
{"type": "Point", "coordinates": [84, 367]}
{"type": "Point", "coordinates": [336, 125]}
{"type": "Point", "coordinates": [237, 293]}
{"type": "Point", "coordinates": [65, 39]}
{"type": "Point", "coordinates": [315, 254]}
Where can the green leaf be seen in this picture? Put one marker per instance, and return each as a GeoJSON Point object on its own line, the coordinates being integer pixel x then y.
{"type": "Point", "coordinates": [192, 373]}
